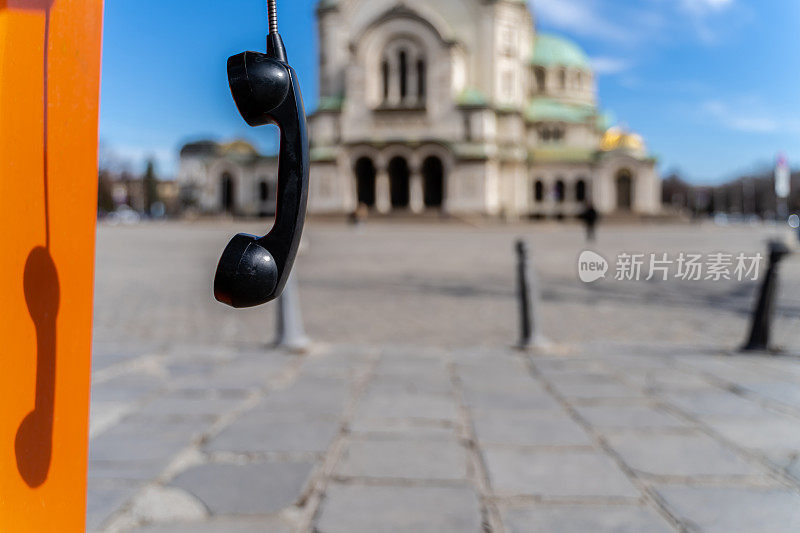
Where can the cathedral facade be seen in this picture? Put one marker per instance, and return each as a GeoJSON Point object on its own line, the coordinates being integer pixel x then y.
{"type": "Point", "coordinates": [451, 106]}
{"type": "Point", "coordinates": [461, 106]}
{"type": "Point", "coordinates": [227, 178]}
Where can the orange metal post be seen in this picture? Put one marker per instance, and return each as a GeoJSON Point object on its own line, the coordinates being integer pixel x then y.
{"type": "Point", "coordinates": [49, 85]}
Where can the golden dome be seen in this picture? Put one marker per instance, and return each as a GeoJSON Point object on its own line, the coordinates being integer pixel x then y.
{"type": "Point", "coordinates": [618, 139]}
{"type": "Point", "coordinates": [239, 147]}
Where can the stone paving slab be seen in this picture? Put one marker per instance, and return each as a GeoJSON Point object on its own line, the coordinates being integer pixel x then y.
{"type": "Point", "coordinates": [404, 459]}
{"type": "Point", "coordinates": [410, 429]}
{"type": "Point", "coordinates": [103, 501]}
{"type": "Point", "coordinates": [528, 428]}
{"type": "Point", "coordinates": [412, 367]}
{"type": "Point", "coordinates": [557, 474]}
{"type": "Point", "coordinates": [302, 401]}
{"type": "Point", "coordinates": [679, 454]}
{"type": "Point", "coordinates": [771, 433]}
{"type": "Point", "coordinates": [596, 389]}
{"type": "Point", "coordinates": [224, 525]}
{"type": "Point", "coordinates": [349, 508]}
{"type": "Point", "coordinates": [667, 380]}
{"type": "Point", "coordinates": [143, 440]}
{"type": "Point", "coordinates": [251, 489]}
{"type": "Point", "coordinates": [726, 509]}
{"type": "Point", "coordinates": [105, 414]}
{"type": "Point", "coordinates": [422, 384]}
{"type": "Point", "coordinates": [407, 405]}
{"type": "Point", "coordinates": [524, 400]}
{"type": "Point", "coordinates": [629, 416]}
{"type": "Point", "coordinates": [715, 403]}
{"type": "Point", "coordinates": [254, 434]}
{"type": "Point", "coordinates": [126, 469]}
{"type": "Point", "coordinates": [790, 465]}
{"type": "Point", "coordinates": [127, 387]}
{"type": "Point", "coordinates": [490, 379]}
{"type": "Point", "coordinates": [778, 390]}
{"type": "Point", "coordinates": [181, 405]}
{"type": "Point", "coordinates": [585, 519]}
{"type": "Point", "coordinates": [236, 375]}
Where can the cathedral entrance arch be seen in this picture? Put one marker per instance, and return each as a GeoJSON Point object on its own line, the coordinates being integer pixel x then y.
{"type": "Point", "coordinates": [399, 182]}
{"type": "Point", "coordinates": [624, 184]}
{"type": "Point", "coordinates": [365, 181]}
{"type": "Point", "coordinates": [433, 182]}
{"type": "Point", "coordinates": [227, 190]}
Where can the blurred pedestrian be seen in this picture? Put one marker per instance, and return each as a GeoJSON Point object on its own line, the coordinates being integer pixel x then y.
{"type": "Point", "coordinates": [590, 217]}
{"type": "Point", "coordinates": [359, 216]}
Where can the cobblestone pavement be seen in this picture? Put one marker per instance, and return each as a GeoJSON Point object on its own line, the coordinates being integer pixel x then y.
{"type": "Point", "coordinates": [410, 414]}
{"type": "Point", "coordinates": [436, 284]}
{"type": "Point", "coordinates": [598, 438]}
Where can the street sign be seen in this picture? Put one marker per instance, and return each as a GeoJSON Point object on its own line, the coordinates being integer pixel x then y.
{"type": "Point", "coordinates": [782, 177]}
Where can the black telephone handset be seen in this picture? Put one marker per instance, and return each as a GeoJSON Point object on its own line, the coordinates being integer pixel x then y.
{"type": "Point", "coordinates": [253, 270]}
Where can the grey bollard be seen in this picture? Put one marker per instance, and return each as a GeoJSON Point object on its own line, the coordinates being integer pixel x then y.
{"type": "Point", "coordinates": [761, 324]}
{"type": "Point", "coordinates": [528, 294]}
{"type": "Point", "coordinates": [290, 335]}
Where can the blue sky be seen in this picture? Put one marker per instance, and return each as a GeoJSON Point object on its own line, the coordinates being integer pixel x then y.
{"type": "Point", "coordinates": [713, 85]}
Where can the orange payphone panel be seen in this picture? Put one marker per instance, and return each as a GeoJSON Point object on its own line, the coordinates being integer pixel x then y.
{"type": "Point", "coordinates": [49, 86]}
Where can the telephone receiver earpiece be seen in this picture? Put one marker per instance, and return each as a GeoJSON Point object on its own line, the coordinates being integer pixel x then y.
{"type": "Point", "coordinates": [253, 270]}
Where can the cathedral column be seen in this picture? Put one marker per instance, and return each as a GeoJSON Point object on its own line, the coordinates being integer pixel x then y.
{"type": "Point", "coordinates": [383, 201]}
{"type": "Point", "coordinates": [416, 196]}
{"type": "Point", "coordinates": [412, 83]}
{"type": "Point", "coordinates": [394, 83]}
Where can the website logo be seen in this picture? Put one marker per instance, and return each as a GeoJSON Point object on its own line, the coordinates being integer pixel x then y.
{"type": "Point", "coordinates": [591, 266]}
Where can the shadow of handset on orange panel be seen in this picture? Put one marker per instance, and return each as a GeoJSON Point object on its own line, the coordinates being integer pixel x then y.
{"type": "Point", "coordinates": [34, 441]}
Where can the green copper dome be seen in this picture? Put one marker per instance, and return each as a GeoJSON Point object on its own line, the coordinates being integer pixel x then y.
{"type": "Point", "coordinates": [471, 97]}
{"type": "Point", "coordinates": [551, 50]}
{"type": "Point", "coordinates": [546, 109]}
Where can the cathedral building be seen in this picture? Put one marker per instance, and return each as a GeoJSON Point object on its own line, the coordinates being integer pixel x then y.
{"type": "Point", "coordinates": [227, 178]}
{"type": "Point", "coordinates": [452, 106]}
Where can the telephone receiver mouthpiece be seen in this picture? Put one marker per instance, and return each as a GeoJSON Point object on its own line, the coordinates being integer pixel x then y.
{"type": "Point", "coordinates": [253, 270]}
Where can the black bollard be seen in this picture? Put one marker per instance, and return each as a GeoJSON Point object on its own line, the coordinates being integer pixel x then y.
{"type": "Point", "coordinates": [528, 301]}
{"type": "Point", "coordinates": [523, 284]}
{"type": "Point", "coordinates": [765, 305]}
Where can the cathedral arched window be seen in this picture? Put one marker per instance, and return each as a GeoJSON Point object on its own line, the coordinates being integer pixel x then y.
{"type": "Point", "coordinates": [580, 190]}
{"type": "Point", "coordinates": [421, 79]}
{"type": "Point", "coordinates": [551, 133]}
{"type": "Point", "coordinates": [562, 78]}
{"type": "Point", "coordinates": [544, 134]}
{"type": "Point", "coordinates": [538, 190]}
{"type": "Point", "coordinates": [541, 78]}
{"type": "Point", "coordinates": [263, 190]}
{"type": "Point", "coordinates": [403, 78]}
{"type": "Point", "coordinates": [385, 79]}
{"type": "Point", "coordinates": [403, 59]}
{"type": "Point", "coordinates": [559, 191]}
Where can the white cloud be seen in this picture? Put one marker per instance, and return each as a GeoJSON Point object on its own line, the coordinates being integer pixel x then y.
{"type": "Point", "coordinates": [610, 65]}
{"type": "Point", "coordinates": [706, 6]}
{"type": "Point", "coordinates": [645, 21]}
{"type": "Point", "coordinates": [580, 17]}
{"type": "Point", "coordinates": [740, 118]}
{"type": "Point", "coordinates": [699, 13]}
